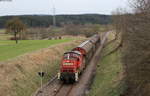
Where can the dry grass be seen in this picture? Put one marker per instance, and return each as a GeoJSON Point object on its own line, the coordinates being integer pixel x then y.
{"type": "Point", "coordinates": [18, 77]}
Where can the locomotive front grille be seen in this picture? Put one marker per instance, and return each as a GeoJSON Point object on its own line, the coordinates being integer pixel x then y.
{"type": "Point", "coordinates": [68, 70]}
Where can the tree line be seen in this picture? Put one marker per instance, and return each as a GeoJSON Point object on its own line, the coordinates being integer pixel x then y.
{"type": "Point", "coordinates": [46, 20]}
{"type": "Point", "coordinates": [135, 36]}
{"type": "Point", "coordinates": [21, 32]}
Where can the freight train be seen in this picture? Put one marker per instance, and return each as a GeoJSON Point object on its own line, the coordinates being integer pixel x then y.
{"type": "Point", "coordinates": [75, 61]}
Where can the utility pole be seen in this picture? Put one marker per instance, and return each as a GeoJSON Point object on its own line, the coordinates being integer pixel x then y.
{"type": "Point", "coordinates": [54, 17]}
{"type": "Point", "coordinates": [54, 14]}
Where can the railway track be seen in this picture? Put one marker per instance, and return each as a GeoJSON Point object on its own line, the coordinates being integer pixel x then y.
{"type": "Point", "coordinates": [57, 88]}
{"type": "Point", "coordinates": [65, 90]}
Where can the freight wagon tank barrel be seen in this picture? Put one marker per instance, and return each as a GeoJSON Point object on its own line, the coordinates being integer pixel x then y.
{"type": "Point", "coordinates": [85, 47]}
{"type": "Point", "coordinates": [94, 39]}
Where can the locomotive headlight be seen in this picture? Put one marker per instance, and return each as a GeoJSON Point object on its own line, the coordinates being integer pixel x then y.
{"type": "Point", "coordinates": [67, 63]}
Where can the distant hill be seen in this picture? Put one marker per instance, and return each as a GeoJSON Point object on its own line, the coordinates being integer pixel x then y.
{"type": "Point", "coordinates": [46, 20]}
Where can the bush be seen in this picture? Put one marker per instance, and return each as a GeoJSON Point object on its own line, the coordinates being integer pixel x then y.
{"type": "Point", "coordinates": [13, 38]}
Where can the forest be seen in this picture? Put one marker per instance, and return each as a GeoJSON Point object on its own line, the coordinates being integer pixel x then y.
{"type": "Point", "coordinates": [47, 20]}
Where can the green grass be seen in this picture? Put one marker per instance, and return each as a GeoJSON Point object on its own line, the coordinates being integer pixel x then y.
{"type": "Point", "coordinates": [106, 82]}
{"type": "Point", "coordinates": [8, 49]}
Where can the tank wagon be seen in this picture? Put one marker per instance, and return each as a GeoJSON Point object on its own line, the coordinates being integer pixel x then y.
{"type": "Point", "coordinates": [75, 61]}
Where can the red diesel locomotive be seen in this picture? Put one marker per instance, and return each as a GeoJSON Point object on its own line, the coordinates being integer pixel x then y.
{"type": "Point", "coordinates": [74, 62]}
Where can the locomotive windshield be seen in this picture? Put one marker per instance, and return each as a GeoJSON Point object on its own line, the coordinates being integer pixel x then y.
{"type": "Point", "coordinates": [71, 56]}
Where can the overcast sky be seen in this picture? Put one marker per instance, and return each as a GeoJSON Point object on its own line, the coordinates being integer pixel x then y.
{"type": "Point", "coordinates": [20, 7]}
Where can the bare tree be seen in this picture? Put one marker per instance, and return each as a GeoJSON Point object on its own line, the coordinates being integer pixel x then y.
{"type": "Point", "coordinates": [136, 51]}
{"type": "Point", "coordinates": [16, 26]}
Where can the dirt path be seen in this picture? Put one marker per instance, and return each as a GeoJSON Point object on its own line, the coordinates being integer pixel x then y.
{"type": "Point", "coordinates": [55, 88]}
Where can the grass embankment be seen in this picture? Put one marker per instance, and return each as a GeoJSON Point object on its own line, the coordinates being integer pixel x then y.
{"type": "Point", "coordinates": [8, 48]}
{"type": "Point", "coordinates": [108, 79]}
{"type": "Point", "coordinates": [18, 77]}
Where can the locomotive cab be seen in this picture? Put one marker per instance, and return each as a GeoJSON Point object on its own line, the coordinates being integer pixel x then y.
{"type": "Point", "coordinates": [70, 65]}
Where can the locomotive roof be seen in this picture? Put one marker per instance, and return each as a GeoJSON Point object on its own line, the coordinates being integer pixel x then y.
{"type": "Point", "coordinates": [77, 52]}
